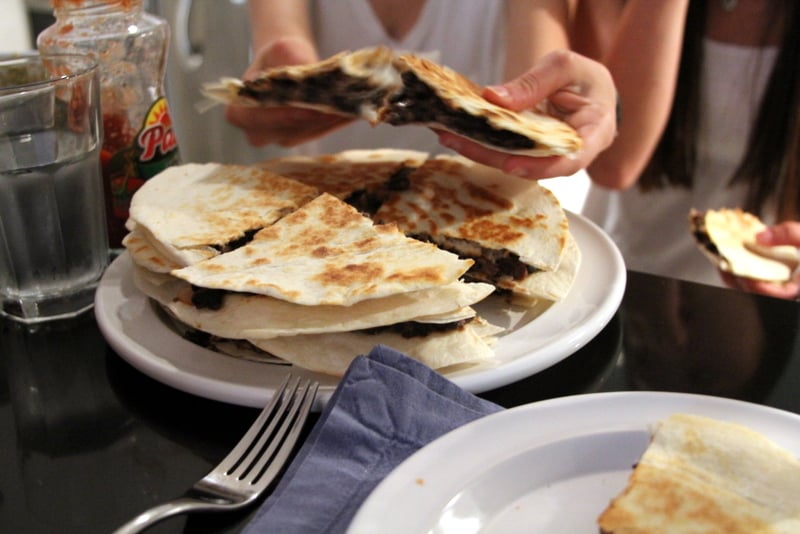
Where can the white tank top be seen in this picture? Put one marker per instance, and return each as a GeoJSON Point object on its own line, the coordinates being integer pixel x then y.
{"type": "Point", "coordinates": [467, 36]}
{"type": "Point", "coordinates": [651, 229]}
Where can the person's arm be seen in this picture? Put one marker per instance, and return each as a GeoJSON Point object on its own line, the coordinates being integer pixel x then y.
{"type": "Point", "coordinates": [282, 35]}
{"type": "Point", "coordinates": [533, 28]}
{"type": "Point", "coordinates": [274, 22]}
{"type": "Point", "coordinates": [644, 60]}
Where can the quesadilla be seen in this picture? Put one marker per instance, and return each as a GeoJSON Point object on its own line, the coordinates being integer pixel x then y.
{"type": "Point", "coordinates": [193, 212]}
{"type": "Point", "coordinates": [703, 475]}
{"type": "Point", "coordinates": [399, 89]}
{"type": "Point", "coordinates": [362, 178]}
{"type": "Point", "coordinates": [728, 238]}
{"type": "Point", "coordinates": [513, 229]}
{"type": "Point", "coordinates": [352, 84]}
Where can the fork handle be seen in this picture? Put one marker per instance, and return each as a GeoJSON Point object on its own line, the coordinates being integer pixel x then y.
{"type": "Point", "coordinates": [158, 513]}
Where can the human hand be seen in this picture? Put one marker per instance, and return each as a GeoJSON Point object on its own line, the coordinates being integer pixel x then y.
{"type": "Point", "coordinates": [577, 89]}
{"type": "Point", "coordinates": [285, 126]}
{"type": "Point", "coordinates": [785, 233]}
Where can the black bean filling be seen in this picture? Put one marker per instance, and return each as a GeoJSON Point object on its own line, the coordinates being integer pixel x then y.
{"type": "Point", "coordinates": [209, 299]}
{"type": "Point", "coordinates": [411, 329]}
{"type": "Point", "coordinates": [236, 243]}
{"type": "Point", "coordinates": [370, 200]}
{"type": "Point", "coordinates": [416, 103]}
{"type": "Point", "coordinates": [335, 88]}
{"type": "Point", "coordinates": [701, 234]}
{"type": "Point", "coordinates": [490, 264]}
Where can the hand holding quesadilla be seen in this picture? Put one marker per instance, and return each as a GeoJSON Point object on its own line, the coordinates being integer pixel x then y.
{"type": "Point", "coordinates": [571, 87]}
{"type": "Point", "coordinates": [730, 239]}
{"type": "Point", "coordinates": [379, 86]}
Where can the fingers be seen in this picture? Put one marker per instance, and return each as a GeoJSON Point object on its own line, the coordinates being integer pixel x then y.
{"type": "Point", "coordinates": [285, 126]}
{"type": "Point", "coordinates": [569, 86]}
{"type": "Point", "coordinates": [785, 233]}
{"type": "Point", "coordinates": [786, 290]}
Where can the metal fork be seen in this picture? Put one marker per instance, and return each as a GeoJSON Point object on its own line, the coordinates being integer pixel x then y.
{"type": "Point", "coordinates": [250, 467]}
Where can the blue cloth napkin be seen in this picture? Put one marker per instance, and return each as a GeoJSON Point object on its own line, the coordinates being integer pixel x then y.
{"type": "Point", "coordinates": [386, 407]}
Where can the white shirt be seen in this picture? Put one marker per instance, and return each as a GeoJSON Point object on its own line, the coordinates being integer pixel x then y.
{"type": "Point", "coordinates": [467, 36]}
{"type": "Point", "coordinates": [651, 229]}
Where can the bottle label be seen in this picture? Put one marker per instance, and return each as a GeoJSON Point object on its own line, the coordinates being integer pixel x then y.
{"type": "Point", "coordinates": [153, 149]}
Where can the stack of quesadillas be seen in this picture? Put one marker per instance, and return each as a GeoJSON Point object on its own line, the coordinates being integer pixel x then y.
{"type": "Point", "coordinates": [383, 87]}
{"type": "Point", "coordinates": [317, 259]}
{"type": "Point", "coordinates": [704, 475]}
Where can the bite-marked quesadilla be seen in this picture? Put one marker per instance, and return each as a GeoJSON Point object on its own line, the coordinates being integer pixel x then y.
{"type": "Point", "coordinates": [401, 89]}
{"type": "Point", "coordinates": [192, 212]}
{"type": "Point", "coordinates": [510, 227]}
{"type": "Point", "coordinates": [327, 253]}
{"type": "Point", "coordinates": [704, 475]}
{"type": "Point", "coordinates": [728, 238]}
{"type": "Point", "coordinates": [354, 84]}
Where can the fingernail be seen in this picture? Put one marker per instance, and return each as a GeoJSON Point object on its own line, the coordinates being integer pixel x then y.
{"type": "Point", "coordinates": [499, 90]}
{"type": "Point", "coordinates": [522, 172]}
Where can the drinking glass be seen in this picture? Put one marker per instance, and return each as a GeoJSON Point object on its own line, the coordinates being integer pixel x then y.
{"type": "Point", "coordinates": [53, 245]}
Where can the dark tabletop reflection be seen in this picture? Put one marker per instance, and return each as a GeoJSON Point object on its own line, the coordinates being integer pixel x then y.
{"type": "Point", "coordinates": [681, 337]}
{"type": "Point", "coordinates": [87, 441]}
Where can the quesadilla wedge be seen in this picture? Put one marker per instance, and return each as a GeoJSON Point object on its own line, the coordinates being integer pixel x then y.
{"type": "Point", "coordinates": [192, 212]}
{"type": "Point", "coordinates": [728, 238]}
{"type": "Point", "coordinates": [353, 84]}
{"type": "Point", "coordinates": [362, 178]}
{"type": "Point", "coordinates": [327, 253]}
{"type": "Point", "coordinates": [400, 89]}
{"type": "Point", "coordinates": [510, 227]}
{"type": "Point", "coordinates": [250, 316]}
{"type": "Point", "coordinates": [439, 97]}
{"type": "Point", "coordinates": [704, 475]}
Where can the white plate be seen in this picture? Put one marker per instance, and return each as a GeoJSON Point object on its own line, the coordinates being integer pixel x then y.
{"type": "Point", "coordinates": [551, 466]}
{"type": "Point", "coordinates": [135, 330]}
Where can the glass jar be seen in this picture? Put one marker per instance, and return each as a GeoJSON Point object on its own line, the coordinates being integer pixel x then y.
{"type": "Point", "coordinates": [130, 46]}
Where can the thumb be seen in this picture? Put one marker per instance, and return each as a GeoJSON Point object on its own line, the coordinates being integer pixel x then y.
{"type": "Point", "coordinates": [517, 94]}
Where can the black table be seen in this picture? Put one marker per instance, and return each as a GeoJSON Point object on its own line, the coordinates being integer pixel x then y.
{"type": "Point", "coordinates": [87, 441]}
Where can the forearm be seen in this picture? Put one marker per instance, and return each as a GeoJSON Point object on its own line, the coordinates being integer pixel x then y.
{"type": "Point", "coordinates": [273, 20]}
{"type": "Point", "coordinates": [643, 59]}
{"type": "Point", "coordinates": [533, 28]}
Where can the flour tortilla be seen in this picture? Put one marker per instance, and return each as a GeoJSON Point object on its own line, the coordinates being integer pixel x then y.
{"type": "Point", "coordinates": [705, 475]}
{"type": "Point", "coordinates": [145, 251]}
{"type": "Point", "coordinates": [548, 285]}
{"type": "Point", "coordinates": [332, 353]}
{"type": "Point", "coordinates": [344, 173]}
{"type": "Point", "coordinates": [245, 316]}
{"type": "Point", "coordinates": [728, 238]}
{"type": "Point", "coordinates": [453, 95]}
{"type": "Point", "coordinates": [191, 211]}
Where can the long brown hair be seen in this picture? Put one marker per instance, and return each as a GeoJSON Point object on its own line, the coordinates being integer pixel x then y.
{"type": "Point", "coordinates": [771, 164]}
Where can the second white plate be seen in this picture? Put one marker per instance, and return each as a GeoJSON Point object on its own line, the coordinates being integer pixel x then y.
{"type": "Point", "coordinates": [550, 466]}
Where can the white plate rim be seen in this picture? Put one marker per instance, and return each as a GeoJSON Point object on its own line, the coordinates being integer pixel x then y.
{"type": "Point", "coordinates": [133, 329]}
{"type": "Point", "coordinates": [401, 503]}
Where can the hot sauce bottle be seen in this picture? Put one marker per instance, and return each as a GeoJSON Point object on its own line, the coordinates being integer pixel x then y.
{"type": "Point", "coordinates": [130, 46]}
